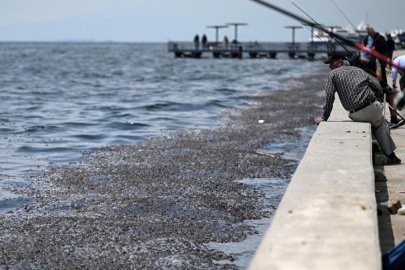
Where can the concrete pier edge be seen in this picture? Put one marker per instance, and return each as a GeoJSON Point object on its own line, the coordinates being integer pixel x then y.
{"type": "Point", "coordinates": [327, 218]}
{"type": "Point", "coordinates": [392, 227]}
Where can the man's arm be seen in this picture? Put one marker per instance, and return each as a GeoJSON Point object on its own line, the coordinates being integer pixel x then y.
{"type": "Point", "coordinates": [330, 97]}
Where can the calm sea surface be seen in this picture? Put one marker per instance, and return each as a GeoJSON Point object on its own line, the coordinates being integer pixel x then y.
{"type": "Point", "coordinates": [59, 99]}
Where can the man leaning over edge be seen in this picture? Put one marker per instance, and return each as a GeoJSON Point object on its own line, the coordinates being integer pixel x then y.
{"type": "Point", "coordinates": [400, 61]}
{"type": "Point", "coordinates": [358, 91]}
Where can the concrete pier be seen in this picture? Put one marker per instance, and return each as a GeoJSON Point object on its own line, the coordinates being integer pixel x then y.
{"type": "Point", "coordinates": [327, 218]}
{"type": "Point", "coordinates": [254, 49]}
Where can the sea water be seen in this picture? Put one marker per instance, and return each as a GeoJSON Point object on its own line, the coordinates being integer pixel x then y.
{"type": "Point", "coordinates": [60, 99]}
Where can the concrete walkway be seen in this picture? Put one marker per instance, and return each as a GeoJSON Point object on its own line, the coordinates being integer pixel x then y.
{"type": "Point", "coordinates": [327, 218]}
{"type": "Point", "coordinates": [392, 227]}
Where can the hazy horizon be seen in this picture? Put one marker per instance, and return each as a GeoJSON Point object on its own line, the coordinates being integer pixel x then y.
{"type": "Point", "coordinates": [159, 21]}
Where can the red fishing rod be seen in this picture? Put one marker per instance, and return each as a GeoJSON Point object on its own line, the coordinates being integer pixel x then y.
{"type": "Point", "coordinates": [333, 35]}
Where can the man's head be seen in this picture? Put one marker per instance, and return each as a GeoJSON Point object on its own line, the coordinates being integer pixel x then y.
{"type": "Point", "coordinates": [335, 60]}
{"type": "Point", "coordinates": [371, 31]}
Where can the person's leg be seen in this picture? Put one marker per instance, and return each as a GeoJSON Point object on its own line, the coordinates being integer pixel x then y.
{"type": "Point", "coordinates": [373, 115]}
{"type": "Point", "coordinates": [383, 137]}
{"type": "Point", "coordinates": [383, 72]}
{"type": "Point", "coordinates": [393, 113]}
{"type": "Point", "coordinates": [389, 55]}
{"type": "Point", "coordinates": [402, 82]}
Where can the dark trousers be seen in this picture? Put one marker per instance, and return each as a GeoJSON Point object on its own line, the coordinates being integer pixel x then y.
{"type": "Point", "coordinates": [402, 82]}
{"type": "Point", "coordinates": [383, 72]}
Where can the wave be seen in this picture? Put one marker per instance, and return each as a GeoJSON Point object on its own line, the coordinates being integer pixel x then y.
{"type": "Point", "coordinates": [226, 90]}
{"type": "Point", "coordinates": [32, 149]}
{"type": "Point", "coordinates": [162, 105]}
{"type": "Point", "coordinates": [127, 125]}
{"type": "Point", "coordinates": [90, 137]}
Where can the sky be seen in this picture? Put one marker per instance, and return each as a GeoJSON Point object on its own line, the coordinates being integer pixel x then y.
{"type": "Point", "coordinates": [180, 20]}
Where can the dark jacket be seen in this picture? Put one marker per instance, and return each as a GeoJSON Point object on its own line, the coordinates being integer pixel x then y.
{"type": "Point", "coordinates": [379, 44]}
{"type": "Point", "coordinates": [390, 45]}
{"type": "Point", "coordinates": [371, 67]}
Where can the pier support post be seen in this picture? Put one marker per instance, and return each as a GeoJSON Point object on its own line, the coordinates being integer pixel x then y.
{"type": "Point", "coordinates": [311, 54]}
{"type": "Point", "coordinates": [196, 54]}
{"type": "Point", "coordinates": [291, 55]}
{"type": "Point", "coordinates": [273, 55]}
{"type": "Point", "coordinates": [178, 54]}
{"type": "Point", "coordinates": [216, 54]}
{"type": "Point", "coordinates": [253, 55]}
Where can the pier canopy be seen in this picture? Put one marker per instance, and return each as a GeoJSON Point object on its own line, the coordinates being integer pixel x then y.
{"type": "Point", "coordinates": [312, 25]}
{"type": "Point", "coordinates": [293, 32]}
{"type": "Point", "coordinates": [216, 30]}
{"type": "Point", "coordinates": [236, 28]}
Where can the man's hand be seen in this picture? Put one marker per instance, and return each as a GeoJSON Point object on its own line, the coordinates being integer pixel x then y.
{"type": "Point", "coordinates": [319, 120]}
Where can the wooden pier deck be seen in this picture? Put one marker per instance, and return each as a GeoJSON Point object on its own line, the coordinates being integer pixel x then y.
{"type": "Point", "coordinates": [254, 49]}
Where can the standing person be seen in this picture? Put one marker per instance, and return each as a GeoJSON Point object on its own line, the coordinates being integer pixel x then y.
{"type": "Point", "coordinates": [358, 91]}
{"type": "Point", "coordinates": [204, 41]}
{"type": "Point", "coordinates": [378, 43]}
{"type": "Point", "coordinates": [226, 41]}
{"type": "Point", "coordinates": [390, 46]}
{"type": "Point", "coordinates": [196, 41]}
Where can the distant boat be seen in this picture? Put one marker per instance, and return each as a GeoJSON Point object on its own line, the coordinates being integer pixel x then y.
{"type": "Point", "coordinates": [398, 35]}
{"type": "Point", "coordinates": [350, 33]}
{"type": "Point", "coordinates": [401, 38]}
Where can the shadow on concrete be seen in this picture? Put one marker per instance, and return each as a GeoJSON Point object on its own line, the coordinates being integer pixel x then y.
{"type": "Point", "coordinates": [385, 231]}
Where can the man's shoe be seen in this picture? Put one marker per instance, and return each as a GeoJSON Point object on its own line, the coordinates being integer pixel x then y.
{"type": "Point", "coordinates": [397, 125]}
{"type": "Point", "coordinates": [394, 120]}
{"type": "Point", "coordinates": [393, 159]}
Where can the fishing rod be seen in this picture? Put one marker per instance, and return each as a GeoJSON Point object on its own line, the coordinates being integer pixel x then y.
{"type": "Point", "coordinates": [324, 43]}
{"type": "Point", "coordinates": [323, 29]}
{"type": "Point", "coordinates": [347, 19]}
{"type": "Point", "coordinates": [358, 32]}
{"type": "Point", "coordinates": [347, 41]}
